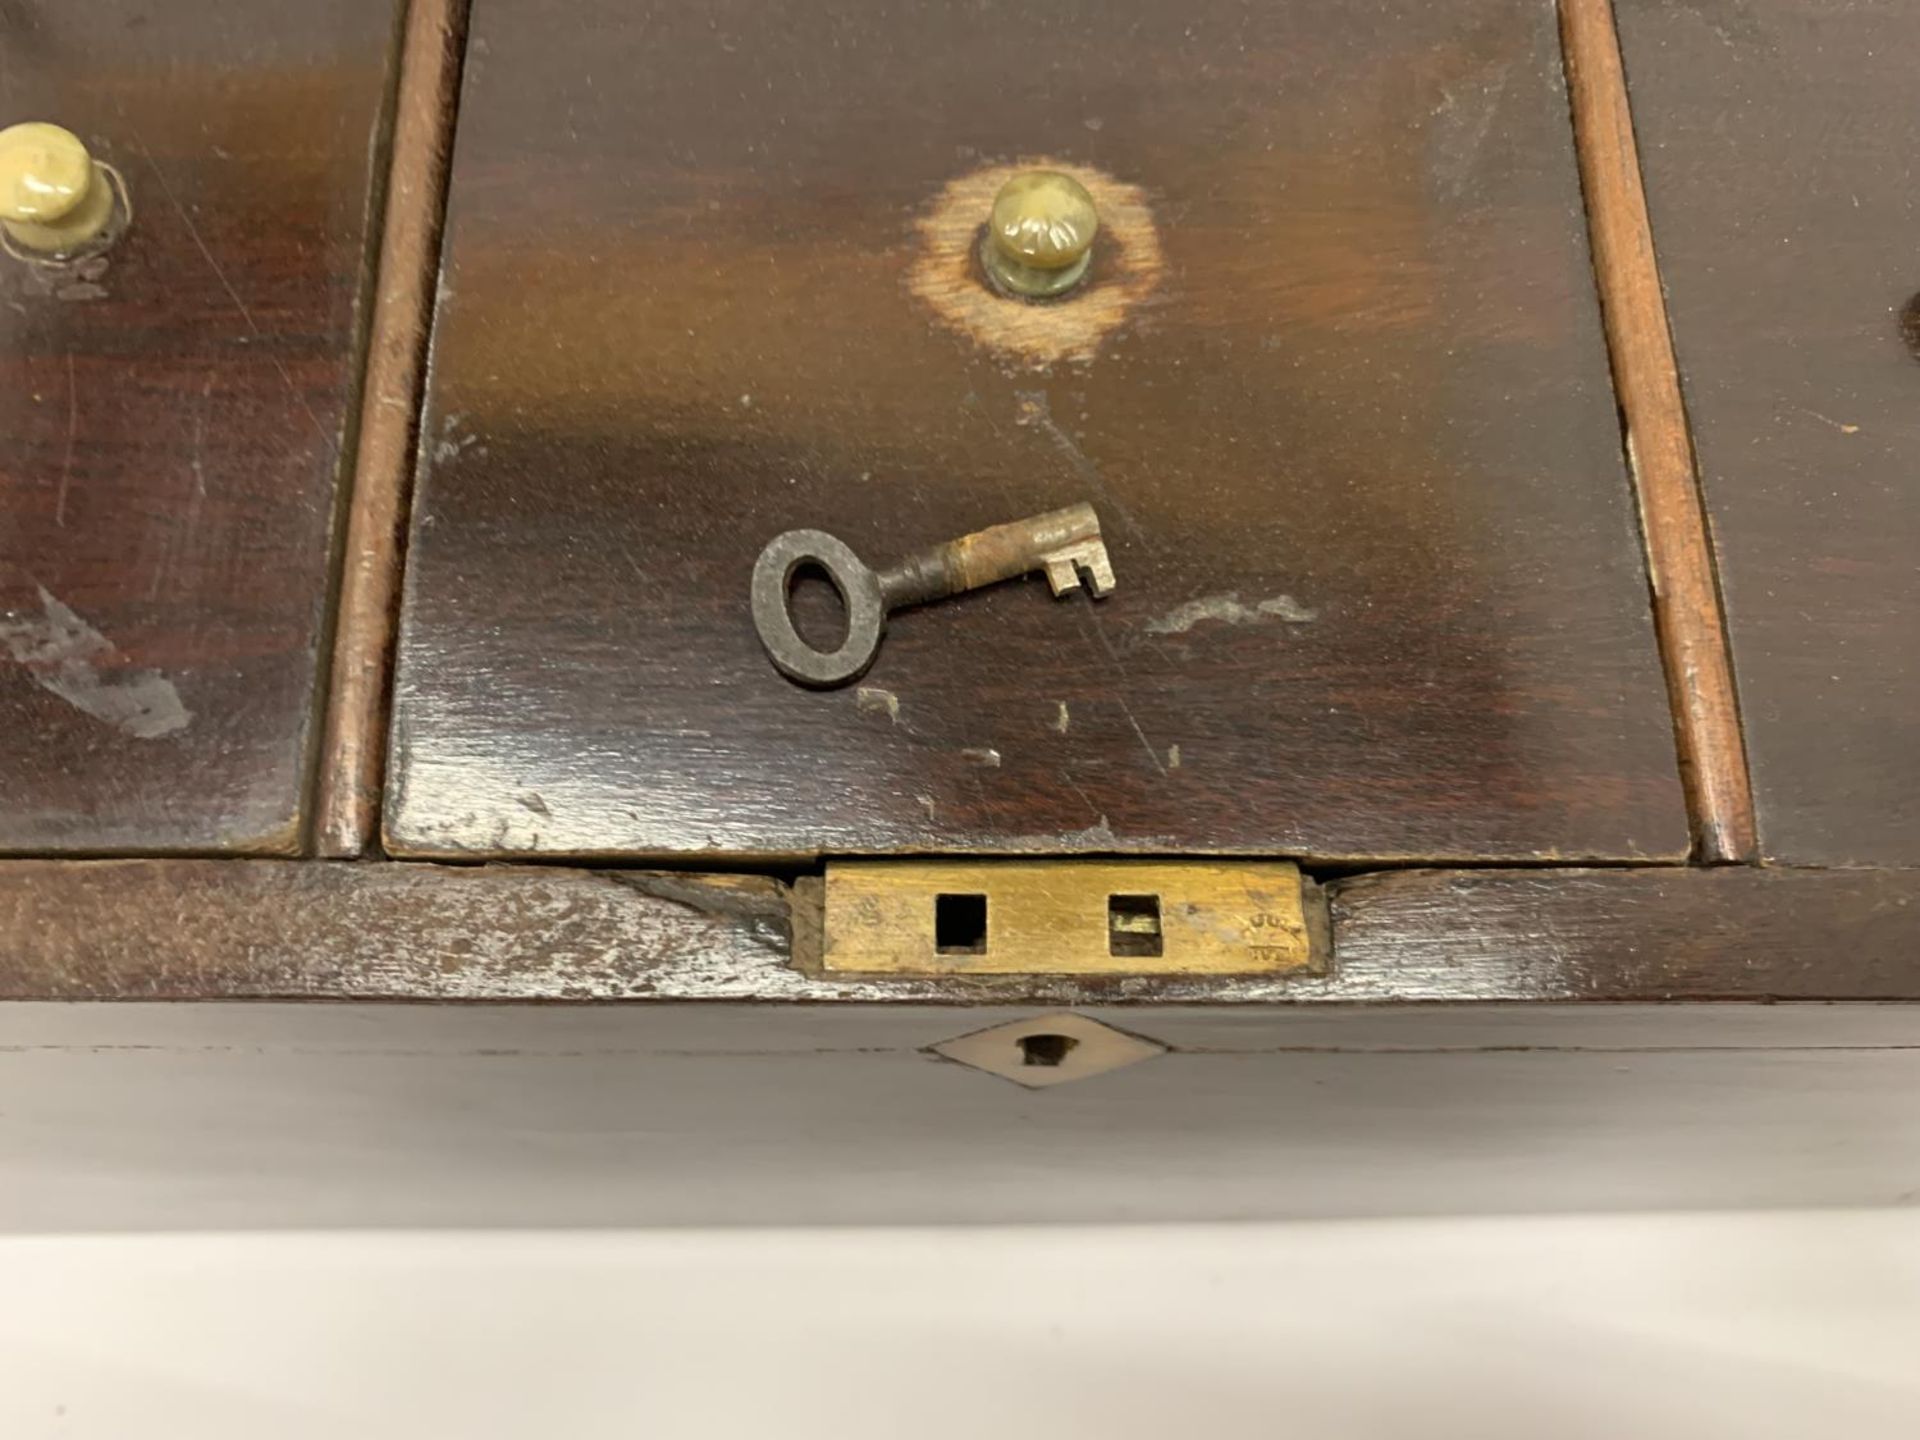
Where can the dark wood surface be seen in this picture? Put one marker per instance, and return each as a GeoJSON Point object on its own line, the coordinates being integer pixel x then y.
{"type": "Point", "coordinates": [266, 930]}
{"type": "Point", "coordinates": [174, 415]}
{"type": "Point", "coordinates": [1779, 139]}
{"type": "Point", "coordinates": [276, 1116]}
{"type": "Point", "coordinates": [1649, 934]}
{"type": "Point", "coordinates": [1369, 390]}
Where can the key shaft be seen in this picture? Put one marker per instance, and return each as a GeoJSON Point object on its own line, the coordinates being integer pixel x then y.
{"type": "Point", "coordinates": [1000, 552]}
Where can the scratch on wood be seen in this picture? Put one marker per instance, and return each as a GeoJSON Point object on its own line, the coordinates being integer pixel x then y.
{"type": "Point", "coordinates": [66, 465]}
{"type": "Point", "coordinates": [985, 756]}
{"type": "Point", "coordinates": [1085, 799]}
{"type": "Point", "coordinates": [200, 444]}
{"type": "Point", "coordinates": [1146, 744]}
{"type": "Point", "coordinates": [1063, 720]}
{"type": "Point", "coordinates": [1126, 683]}
{"type": "Point", "coordinates": [286, 378]}
{"type": "Point", "coordinates": [66, 657]}
{"type": "Point", "coordinates": [1037, 411]}
{"type": "Point", "coordinates": [1841, 426]}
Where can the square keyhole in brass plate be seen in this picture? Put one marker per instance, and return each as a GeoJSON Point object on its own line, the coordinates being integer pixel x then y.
{"type": "Point", "coordinates": [960, 924]}
{"type": "Point", "coordinates": [1133, 925]}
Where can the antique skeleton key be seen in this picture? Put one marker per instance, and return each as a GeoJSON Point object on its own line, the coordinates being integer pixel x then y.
{"type": "Point", "coordinates": [1064, 543]}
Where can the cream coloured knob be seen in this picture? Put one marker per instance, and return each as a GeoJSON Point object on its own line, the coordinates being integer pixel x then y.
{"type": "Point", "coordinates": [1039, 240]}
{"type": "Point", "coordinates": [54, 198]}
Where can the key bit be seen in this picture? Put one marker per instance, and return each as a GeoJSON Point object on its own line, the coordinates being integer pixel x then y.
{"type": "Point", "coordinates": [1065, 544]}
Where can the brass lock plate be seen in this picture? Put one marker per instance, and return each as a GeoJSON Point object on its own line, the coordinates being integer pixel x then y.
{"type": "Point", "coordinates": [1066, 917]}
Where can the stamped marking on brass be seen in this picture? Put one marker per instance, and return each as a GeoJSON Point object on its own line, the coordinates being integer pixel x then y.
{"type": "Point", "coordinates": [946, 274]}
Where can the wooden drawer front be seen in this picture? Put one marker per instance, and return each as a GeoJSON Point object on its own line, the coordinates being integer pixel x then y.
{"type": "Point", "coordinates": [172, 417]}
{"type": "Point", "coordinates": [1351, 437]}
{"type": "Point", "coordinates": [1778, 139]}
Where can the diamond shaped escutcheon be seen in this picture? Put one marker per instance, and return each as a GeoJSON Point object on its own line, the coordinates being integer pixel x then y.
{"type": "Point", "coordinates": [1049, 1050]}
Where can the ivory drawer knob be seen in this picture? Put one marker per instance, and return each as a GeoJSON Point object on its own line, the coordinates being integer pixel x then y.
{"type": "Point", "coordinates": [1039, 239]}
{"type": "Point", "coordinates": [54, 197]}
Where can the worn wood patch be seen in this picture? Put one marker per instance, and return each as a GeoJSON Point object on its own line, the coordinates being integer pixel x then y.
{"type": "Point", "coordinates": [187, 930]}
{"type": "Point", "coordinates": [946, 273]}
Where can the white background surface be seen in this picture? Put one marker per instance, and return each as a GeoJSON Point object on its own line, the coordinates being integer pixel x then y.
{"type": "Point", "coordinates": [1705, 1325]}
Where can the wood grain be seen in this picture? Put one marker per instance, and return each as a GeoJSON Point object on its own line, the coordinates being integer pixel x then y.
{"type": "Point", "coordinates": [220, 930]}
{"type": "Point", "coordinates": [1686, 598]}
{"type": "Point", "coordinates": [353, 746]}
{"type": "Point", "coordinates": [231, 930]}
{"type": "Point", "coordinates": [1641, 935]}
{"type": "Point", "coordinates": [1355, 452]}
{"type": "Point", "coordinates": [1780, 138]}
{"type": "Point", "coordinates": [240, 1117]}
{"type": "Point", "coordinates": [173, 416]}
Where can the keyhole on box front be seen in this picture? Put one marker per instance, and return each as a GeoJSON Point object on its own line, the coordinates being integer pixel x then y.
{"type": "Point", "coordinates": [1910, 325]}
{"type": "Point", "coordinates": [1048, 1050]}
{"type": "Point", "coordinates": [818, 608]}
{"type": "Point", "coordinates": [960, 924]}
{"type": "Point", "coordinates": [1133, 925]}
